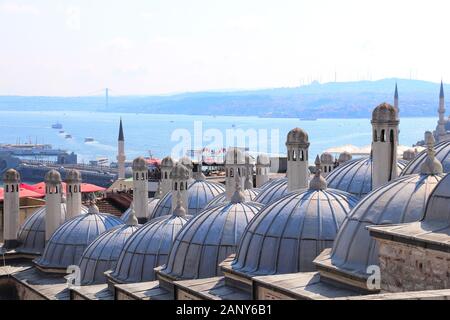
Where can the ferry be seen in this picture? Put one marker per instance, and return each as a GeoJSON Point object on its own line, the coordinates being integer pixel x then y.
{"type": "Point", "coordinates": [57, 126]}
{"type": "Point", "coordinates": [68, 136]}
{"type": "Point", "coordinates": [89, 139]}
{"type": "Point", "coordinates": [62, 132]}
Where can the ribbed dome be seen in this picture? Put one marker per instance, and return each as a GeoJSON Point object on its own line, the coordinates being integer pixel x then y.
{"type": "Point", "coordinates": [442, 154]}
{"type": "Point", "coordinates": [234, 156]}
{"type": "Point", "coordinates": [250, 195]}
{"type": "Point", "coordinates": [272, 191]}
{"type": "Point", "coordinates": [147, 249]}
{"type": "Point", "coordinates": [68, 242]}
{"type": "Point", "coordinates": [200, 193]}
{"type": "Point", "coordinates": [263, 160]}
{"type": "Point", "coordinates": [409, 154]}
{"type": "Point", "coordinates": [208, 239]}
{"type": "Point", "coordinates": [344, 157]}
{"type": "Point", "coordinates": [102, 254]}
{"type": "Point", "coordinates": [326, 158]}
{"type": "Point", "coordinates": [288, 234]}
{"type": "Point", "coordinates": [167, 162]}
{"type": "Point", "coordinates": [152, 202]}
{"type": "Point", "coordinates": [139, 164]}
{"type": "Point", "coordinates": [53, 177]}
{"type": "Point", "coordinates": [384, 113]}
{"type": "Point", "coordinates": [402, 200]}
{"type": "Point", "coordinates": [355, 176]}
{"type": "Point", "coordinates": [179, 172]}
{"type": "Point", "coordinates": [11, 175]}
{"type": "Point", "coordinates": [32, 232]}
{"type": "Point", "coordinates": [187, 162]}
{"type": "Point", "coordinates": [73, 176]}
{"type": "Point", "coordinates": [297, 136]}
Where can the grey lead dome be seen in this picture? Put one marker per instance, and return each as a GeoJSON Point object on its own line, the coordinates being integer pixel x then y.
{"type": "Point", "coordinates": [249, 194]}
{"type": "Point", "coordinates": [208, 239]}
{"type": "Point", "coordinates": [272, 191]}
{"type": "Point", "coordinates": [288, 234]}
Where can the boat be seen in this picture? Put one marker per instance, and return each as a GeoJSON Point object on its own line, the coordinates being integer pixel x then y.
{"type": "Point", "coordinates": [308, 119]}
{"type": "Point", "coordinates": [57, 126]}
{"type": "Point", "coordinates": [61, 131]}
{"type": "Point", "coordinates": [89, 139]}
{"type": "Point", "coordinates": [68, 136]}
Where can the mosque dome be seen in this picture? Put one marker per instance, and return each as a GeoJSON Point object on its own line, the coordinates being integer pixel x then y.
{"type": "Point", "coordinates": [200, 193]}
{"type": "Point", "coordinates": [139, 164]}
{"type": "Point", "coordinates": [355, 176]}
{"type": "Point", "coordinates": [326, 158]}
{"type": "Point", "coordinates": [384, 113]}
{"type": "Point", "coordinates": [249, 195]}
{"type": "Point", "coordinates": [344, 157]}
{"type": "Point", "coordinates": [53, 177]}
{"type": "Point", "coordinates": [187, 162]}
{"type": "Point", "coordinates": [102, 254]}
{"type": "Point", "coordinates": [401, 200]}
{"type": "Point", "coordinates": [152, 202]}
{"type": "Point", "coordinates": [409, 154]}
{"type": "Point", "coordinates": [167, 162]}
{"type": "Point", "coordinates": [235, 156]}
{"type": "Point", "coordinates": [11, 175]}
{"type": "Point", "coordinates": [263, 160]}
{"type": "Point", "coordinates": [179, 172]}
{"type": "Point", "coordinates": [272, 191]}
{"type": "Point", "coordinates": [73, 176]}
{"type": "Point", "coordinates": [442, 150]}
{"type": "Point", "coordinates": [208, 239]}
{"type": "Point", "coordinates": [31, 234]}
{"type": "Point", "coordinates": [297, 136]}
{"type": "Point", "coordinates": [288, 234]}
{"type": "Point", "coordinates": [148, 248]}
{"type": "Point", "coordinates": [68, 242]}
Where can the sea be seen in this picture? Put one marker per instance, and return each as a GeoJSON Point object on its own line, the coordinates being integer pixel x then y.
{"type": "Point", "coordinates": [160, 134]}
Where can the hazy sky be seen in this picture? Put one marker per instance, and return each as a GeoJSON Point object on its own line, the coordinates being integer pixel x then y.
{"type": "Point", "coordinates": [53, 47]}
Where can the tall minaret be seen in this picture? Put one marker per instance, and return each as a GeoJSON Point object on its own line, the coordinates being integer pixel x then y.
{"type": "Point", "coordinates": [53, 195]}
{"type": "Point", "coordinates": [11, 180]}
{"type": "Point", "coordinates": [297, 144]}
{"type": "Point", "coordinates": [73, 191]}
{"type": "Point", "coordinates": [441, 111]}
{"type": "Point", "coordinates": [262, 169]}
{"type": "Point", "coordinates": [166, 167]}
{"type": "Point", "coordinates": [396, 101]}
{"type": "Point", "coordinates": [384, 144]}
{"type": "Point", "coordinates": [140, 189]}
{"type": "Point", "coordinates": [180, 176]}
{"type": "Point", "coordinates": [234, 166]}
{"type": "Point", "coordinates": [121, 152]}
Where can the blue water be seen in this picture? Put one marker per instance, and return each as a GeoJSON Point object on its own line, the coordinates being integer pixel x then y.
{"type": "Point", "coordinates": [145, 132]}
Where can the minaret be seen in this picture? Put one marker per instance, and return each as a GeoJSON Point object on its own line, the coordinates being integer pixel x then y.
{"type": "Point", "coordinates": [384, 144]}
{"type": "Point", "coordinates": [140, 189]}
{"type": "Point", "coordinates": [297, 144]}
{"type": "Point", "coordinates": [396, 101]}
{"type": "Point", "coordinates": [441, 123]}
{"type": "Point", "coordinates": [73, 191]}
{"type": "Point", "coordinates": [166, 167]}
{"type": "Point", "coordinates": [234, 165]}
{"type": "Point", "coordinates": [180, 177]}
{"type": "Point", "coordinates": [262, 169]}
{"type": "Point", "coordinates": [53, 195]}
{"type": "Point", "coordinates": [121, 152]}
{"type": "Point", "coordinates": [11, 180]}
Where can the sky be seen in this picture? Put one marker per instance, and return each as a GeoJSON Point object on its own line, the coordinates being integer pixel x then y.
{"type": "Point", "coordinates": [78, 47]}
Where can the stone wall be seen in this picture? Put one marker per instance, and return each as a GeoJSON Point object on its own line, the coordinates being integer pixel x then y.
{"type": "Point", "coordinates": [407, 267]}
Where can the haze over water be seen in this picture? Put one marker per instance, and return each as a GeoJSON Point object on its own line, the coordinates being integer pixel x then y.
{"type": "Point", "coordinates": [145, 132]}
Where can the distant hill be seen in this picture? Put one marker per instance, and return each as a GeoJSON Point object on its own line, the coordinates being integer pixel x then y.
{"type": "Point", "coordinates": [328, 100]}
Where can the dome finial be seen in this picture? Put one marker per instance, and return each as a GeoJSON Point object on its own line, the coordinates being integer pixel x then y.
{"type": "Point", "coordinates": [158, 192]}
{"type": "Point", "coordinates": [179, 210]}
{"type": "Point", "coordinates": [132, 219]}
{"type": "Point", "coordinates": [318, 182]}
{"type": "Point", "coordinates": [238, 195]}
{"type": "Point", "coordinates": [248, 182]}
{"type": "Point", "coordinates": [63, 197]}
{"type": "Point", "coordinates": [93, 209]}
{"type": "Point", "coordinates": [431, 165]}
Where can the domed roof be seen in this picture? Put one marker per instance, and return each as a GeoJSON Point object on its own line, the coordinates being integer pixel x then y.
{"type": "Point", "coordinates": [442, 154]}
{"type": "Point", "coordinates": [249, 194]}
{"type": "Point", "coordinates": [167, 162]}
{"type": "Point", "coordinates": [200, 193]}
{"type": "Point", "coordinates": [152, 202]}
{"type": "Point", "coordinates": [53, 177]}
{"type": "Point", "coordinates": [68, 242]}
{"type": "Point", "coordinates": [263, 160]}
{"type": "Point", "coordinates": [73, 175]}
{"type": "Point", "coordinates": [147, 249]}
{"type": "Point", "coordinates": [11, 175]}
{"type": "Point", "coordinates": [179, 172]}
{"type": "Point", "coordinates": [288, 234]}
{"type": "Point", "coordinates": [326, 158]}
{"type": "Point", "coordinates": [297, 136]}
{"type": "Point", "coordinates": [139, 164]}
{"type": "Point", "coordinates": [344, 157]}
{"type": "Point", "coordinates": [235, 156]}
{"type": "Point", "coordinates": [208, 239]}
{"type": "Point", "coordinates": [401, 200]}
{"type": "Point", "coordinates": [273, 191]}
{"type": "Point", "coordinates": [31, 234]}
{"type": "Point", "coordinates": [409, 154]}
{"type": "Point", "coordinates": [102, 254]}
{"type": "Point", "coordinates": [187, 162]}
{"type": "Point", "coordinates": [355, 176]}
{"type": "Point", "coordinates": [384, 113]}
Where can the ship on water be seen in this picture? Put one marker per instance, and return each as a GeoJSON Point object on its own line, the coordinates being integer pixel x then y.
{"type": "Point", "coordinates": [88, 139]}
{"type": "Point", "coordinates": [57, 126]}
{"type": "Point", "coordinates": [68, 136]}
